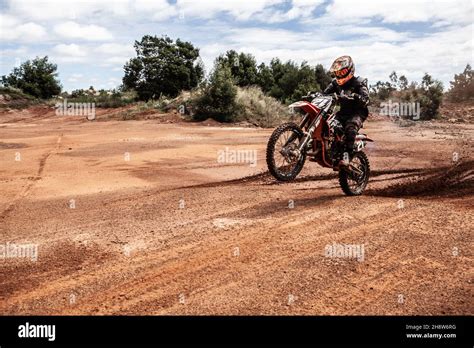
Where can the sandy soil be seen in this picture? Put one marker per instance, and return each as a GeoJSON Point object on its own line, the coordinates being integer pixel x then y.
{"type": "Point", "coordinates": [138, 217]}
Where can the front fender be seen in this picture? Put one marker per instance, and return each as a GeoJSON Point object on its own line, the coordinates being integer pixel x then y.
{"type": "Point", "coordinates": [306, 107]}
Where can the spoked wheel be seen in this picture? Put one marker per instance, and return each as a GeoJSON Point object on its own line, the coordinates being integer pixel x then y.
{"type": "Point", "coordinates": [284, 160]}
{"type": "Point", "coordinates": [354, 180]}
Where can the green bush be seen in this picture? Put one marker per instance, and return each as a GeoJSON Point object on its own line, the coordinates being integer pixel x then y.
{"type": "Point", "coordinates": [102, 98]}
{"type": "Point", "coordinates": [462, 87]}
{"type": "Point", "coordinates": [14, 98]}
{"type": "Point", "coordinates": [286, 82]}
{"type": "Point", "coordinates": [431, 97]}
{"type": "Point", "coordinates": [259, 109]}
{"type": "Point", "coordinates": [218, 99]}
{"type": "Point", "coordinates": [243, 67]}
{"type": "Point", "coordinates": [428, 94]}
{"type": "Point", "coordinates": [289, 81]}
{"type": "Point", "coordinates": [35, 77]}
{"type": "Point", "coordinates": [13, 93]}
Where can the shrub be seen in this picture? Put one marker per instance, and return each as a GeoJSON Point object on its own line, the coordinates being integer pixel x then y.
{"type": "Point", "coordinates": [14, 98]}
{"type": "Point", "coordinates": [290, 81]}
{"type": "Point", "coordinates": [102, 98]}
{"type": "Point", "coordinates": [243, 67]}
{"type": "Point", "coordinates": [429, 93]}
{"type": "Point", "coordinates": [35, 77]}
{"type": "Point", "coordinates": [431, 97]}
{"type": "Point", "coordinates": [218, 99]}
{"type": "Point", "coordinates": [260, 109]}
{"type": "Point", "coordinates": [462, 87]}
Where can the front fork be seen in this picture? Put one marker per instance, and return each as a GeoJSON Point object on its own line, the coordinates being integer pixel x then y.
{"type": "Point", "coordinates": [301, 125]}
{"type": "Point", "coordinates": [307, 135]}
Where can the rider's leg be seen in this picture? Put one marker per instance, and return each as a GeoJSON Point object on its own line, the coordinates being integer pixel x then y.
{"type": "Point", "coordinates": [338, 149]}
{"type": "Point", "coordinates": [351, 129]}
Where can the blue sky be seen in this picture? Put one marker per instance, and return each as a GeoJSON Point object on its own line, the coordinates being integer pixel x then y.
{"type": "Point", "coordinates": [91, 40]}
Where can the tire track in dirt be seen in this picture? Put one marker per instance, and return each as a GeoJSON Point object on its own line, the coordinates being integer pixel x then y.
{"type": "Point", "coordinates": [348, 234]}
{"type": "Point", "coordinates": [199, 218]}
{"type": "Point", "coordinates": [207, 262]}
{"type": "Point", "coordinates": [156, 275]}
{"type": "Point", "coordinates": [254, 245]}
{"type": "Point", "coordinates": [32, 180]}
{"type": "Point", "coordinates": [281, 250]}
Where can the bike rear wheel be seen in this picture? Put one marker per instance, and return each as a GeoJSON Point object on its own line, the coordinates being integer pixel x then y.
{"type": "Point", "coordinates": [354, 180]}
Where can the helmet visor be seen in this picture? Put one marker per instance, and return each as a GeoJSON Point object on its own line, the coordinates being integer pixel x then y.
{"type": "Point", "coordinates": [343, 80]}
{"type": "Point", "coordinates": [341, 73]}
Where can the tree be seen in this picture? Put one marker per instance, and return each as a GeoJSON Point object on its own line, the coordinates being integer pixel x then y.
{"type": "Point", "coordinates": [287, 83]}
{"type": "Point", "coordinates": [292, 81]}
{"type": "Point", "coordinates": [306, 82]}
{"type": "Point", "coordinates": [133, 78]}
{"type": "Point", "coordinates": [428, 93]}
{"type": "Point", "coordinates": [402, 83]}
{"type": "Point", "coordinates": [431, 97]}
{"type": "Point", "coordinates": [218, 99]}
{"type": "Point", "coordinates": [381, 90]}
{"type": "Point", "coordinates": [242, 66]}
{"type": "Point", "coordinates": [35, 77]}
{"type": "Point", "coordinates": [393, 78]}
{"type": "Point", "coordinates": [462, 87]}
{"type": "Point", "coordinates": [162, 66]}
{"type": "Point", "coordinates": [323, 77]}
{"type": "Point", "coordinates": [265, 78]}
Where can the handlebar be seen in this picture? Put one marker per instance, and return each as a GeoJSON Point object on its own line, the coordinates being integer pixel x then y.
{"type": "Point", "coordinates": [312, 95]}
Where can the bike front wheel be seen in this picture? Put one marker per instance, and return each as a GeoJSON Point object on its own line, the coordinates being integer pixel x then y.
{"type": "Point", "coordinates": [284, 160]}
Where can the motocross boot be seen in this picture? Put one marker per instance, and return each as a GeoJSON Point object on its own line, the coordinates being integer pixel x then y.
{"type": "Point", "coordinates": [347, 156]}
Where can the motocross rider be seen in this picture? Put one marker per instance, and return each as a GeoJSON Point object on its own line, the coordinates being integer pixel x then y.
{"type": "Point", "coordinates": [353, 96]}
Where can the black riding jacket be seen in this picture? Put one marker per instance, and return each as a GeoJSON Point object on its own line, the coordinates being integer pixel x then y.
{"type": "Point", "coordinates": [356, 86]}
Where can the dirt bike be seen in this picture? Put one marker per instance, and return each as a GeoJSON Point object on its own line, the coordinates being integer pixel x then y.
{"type": "Point", "coordinates": [320, 136]}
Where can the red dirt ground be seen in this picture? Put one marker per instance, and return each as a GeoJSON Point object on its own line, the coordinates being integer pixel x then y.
{"type": "Point", "coordinates": [172, 231]}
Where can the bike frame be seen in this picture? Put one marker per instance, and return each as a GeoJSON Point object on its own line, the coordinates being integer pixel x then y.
{"type": "Point", "coordinates": [313, 124]}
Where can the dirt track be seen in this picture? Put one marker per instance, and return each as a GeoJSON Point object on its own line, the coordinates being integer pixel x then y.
{"type": "Point", "coordinates": [172, 231]}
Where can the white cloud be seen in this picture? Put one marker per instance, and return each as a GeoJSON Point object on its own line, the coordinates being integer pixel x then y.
{"type": "Point", "coordinates": [13, 29]}
{"type": "Point", "coordinates": [72, 9]}
{"type": "Point", "coordinates": [438, 39]}
{"type": "Point", "coordinates": [239, 9]}
{"type": "Point", "coordinates": [15, 52]}
{"type": "Point", "coordinates": [115, 61]}
{"type": "Point", "coordinates": [115, 49]}
{"type": "Point", "coordinates": [158, 9]}
{"type": "Point", "coordinates": [377, 53]}
{"type": "Point", "coordinates": [75, 77]}
{"type": "Point", "coordinates": [104, 55]}
{"type": "Point", "coordinates": [367, 33]}
{"type": "Point", "coordinates": [398, 11]}
{"type": "Point", "coordinates": [73, 30]}
{"type": "Point", "coordinates": [112, 54]}
{"type": "Point", "coordinates": [70, 53]}
{"type": "Point", "coordinates": [299, 9]}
